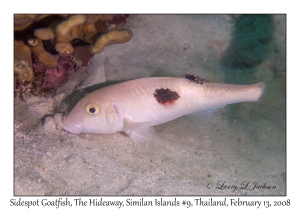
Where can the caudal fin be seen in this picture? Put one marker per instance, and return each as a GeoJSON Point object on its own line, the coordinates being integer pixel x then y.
{"type": "Point", "coordinates": [275, 93]}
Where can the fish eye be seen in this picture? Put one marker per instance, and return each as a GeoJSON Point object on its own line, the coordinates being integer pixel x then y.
{"type": "Point", "coordinates": [92, 109]}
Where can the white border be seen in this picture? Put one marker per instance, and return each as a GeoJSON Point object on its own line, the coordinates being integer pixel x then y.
{"type": "Point", "coordinates": [153, 7]}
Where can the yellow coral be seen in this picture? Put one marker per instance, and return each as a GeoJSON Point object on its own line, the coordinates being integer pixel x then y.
{"type": "Point", "coordinates": [82, 27]}
{"type": "Point", "coordinates": [23, 21]}
{"type": "Point", "coordinates": [63, 45]}
{"type": "Point", "coordinates": [22, 51]}
{"type": "Point", "coordinates": [36, 36]}
{"type": "Point", "coordinates": [44, 33]}
{"type": "Point", "coordinates": [61, 29]}
{"type": "Point", "coordinates": [22, 63]}
{"type": "Point", "coordinates": [85, 32]}
{"type": "Point", "coordinates": [42, 55]}
{"type": "Point", "coordinates": [65, 27]}
{"type": "Point", "coordinates": [24, 70]}
{"type": "Point", "coordinates": [111, 37]}
{"type": "Point", "coordinates": [93, 18]}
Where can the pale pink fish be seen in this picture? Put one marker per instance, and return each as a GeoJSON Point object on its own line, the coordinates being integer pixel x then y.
{"type": "Point", "coordinates": [135, 106]}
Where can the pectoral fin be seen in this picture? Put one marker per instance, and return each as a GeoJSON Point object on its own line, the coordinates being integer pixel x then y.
{"type": "Point", "coordinates": [138, 131]}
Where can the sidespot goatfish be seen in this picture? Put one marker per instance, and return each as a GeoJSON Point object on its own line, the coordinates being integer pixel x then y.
{"type": "Point", "coordinates": [135, 106]}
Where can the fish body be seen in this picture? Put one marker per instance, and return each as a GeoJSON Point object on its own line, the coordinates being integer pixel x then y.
{"type": "Point", "coordinates": [135, 106]}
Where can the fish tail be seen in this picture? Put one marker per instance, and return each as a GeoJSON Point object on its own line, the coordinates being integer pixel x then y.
{"type": "Point", "coordinates": [274, 94]}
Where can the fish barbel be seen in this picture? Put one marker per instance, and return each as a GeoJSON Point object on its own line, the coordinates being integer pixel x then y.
{"type": "Point", "coordinates": [135, 106]}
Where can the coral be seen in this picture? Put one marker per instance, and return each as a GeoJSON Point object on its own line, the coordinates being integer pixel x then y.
{"type": "Point", "coordinates": [22, 21]}
{"type": "Point", "coordinates": [85, 32]}
{"type": "Point", "coordinates": [65, 27]}
{"type": "Point", "coordinates": [111, 37]}
{"type": "Point", "coordinates": [116, 20]}
{"type": "Point", "coordinates": [22, 87]}
{"type": "Point", "coordinates": [49, 47]}
{"type": "Point", "coordinates": [24, 70]}
{"type": "Point", "coordinates": [48, 79]}
{"type": "Point", "coordinates": [22, 51]}
{"type": "Point", "coordinates": [82, 52]}
{"type": "Point", "coordinates": [94, 18]}
{"type": "Point", "coordinates": [61, 29]}
{"type": "Point", "coordinates": [89, 31]}
{"type": "Point", "coordinates": [43, 56]}
{"type": "Point", "coordinates": [22, 61]}
{"type": "Point", "coordinates": [88, 28]}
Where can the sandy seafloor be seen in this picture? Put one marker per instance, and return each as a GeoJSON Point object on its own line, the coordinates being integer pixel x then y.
{"type": "Point", "coordinates": [192, 155]}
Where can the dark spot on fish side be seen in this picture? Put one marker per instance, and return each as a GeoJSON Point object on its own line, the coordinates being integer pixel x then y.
{"type": "Point", "coordinates": [166, 96]}
{"type": "Point", "coordinates": [195, 79]}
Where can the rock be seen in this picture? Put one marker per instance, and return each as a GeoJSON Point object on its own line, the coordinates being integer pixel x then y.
{"type": "Point", "coordinates": [49, 125]}
{"type": "Point", "coordinates": [58, 120]}
{"type": "Point", "coordinates": [41, 105]}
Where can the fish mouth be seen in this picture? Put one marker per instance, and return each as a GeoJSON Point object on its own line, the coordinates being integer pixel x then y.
{"type": "Point", "coordinates": [74, 129]}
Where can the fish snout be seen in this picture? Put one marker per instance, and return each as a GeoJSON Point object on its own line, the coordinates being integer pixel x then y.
{"type": "Point", "coordinates": [70, 128]}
